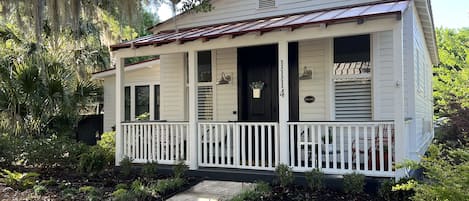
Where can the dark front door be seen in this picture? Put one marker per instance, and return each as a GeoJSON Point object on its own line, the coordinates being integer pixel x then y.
{"type": "Point", "coordinates": [258, 83]}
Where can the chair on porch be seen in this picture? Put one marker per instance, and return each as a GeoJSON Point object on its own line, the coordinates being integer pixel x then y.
{"type": "Point", "coordinates": [360, 152]}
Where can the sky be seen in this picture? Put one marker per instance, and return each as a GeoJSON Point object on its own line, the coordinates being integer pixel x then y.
{"type": "Point", "coordinates": [451, 13]}
{"type": "Point", "coordinates": [446, 13]}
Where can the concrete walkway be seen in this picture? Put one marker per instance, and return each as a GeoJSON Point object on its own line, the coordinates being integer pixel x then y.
{"type": "Point", "coordinates": [212, 191]}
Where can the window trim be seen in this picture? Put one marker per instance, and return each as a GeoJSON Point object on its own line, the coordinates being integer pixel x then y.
{"type": "Point", "coordinates": [152, 98]}
{"type": "Point", "coordinates": [333, 78]}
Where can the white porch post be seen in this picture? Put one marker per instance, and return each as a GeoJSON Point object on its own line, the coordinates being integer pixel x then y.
{"type": "Point", "coordinates": [119, 109]}
{"type": "Point", "coordinates": [192, 61]}
{"type": "Point", "coordinates": [401, 140]}
{"type": "Point", "coordinates": [283, 105]}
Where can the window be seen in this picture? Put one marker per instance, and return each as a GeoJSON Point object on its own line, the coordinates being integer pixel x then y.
{"type": "Point", "coordinates": [205, 86]}
{"type": "Point", "coordinates": [352, 78]}
{"type": "Point", "coordinates": [266, 4]}
{"type": "Point", "coordinates": [204, 62]}
{"type": "Point", "coordinates": [127, 104]}
{"type": "Point", "coordinates": [157, 102]}
{"type": "Point", "coordinates": [142, 100]}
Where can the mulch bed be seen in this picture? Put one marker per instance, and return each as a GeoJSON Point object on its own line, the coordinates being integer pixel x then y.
{"type": "Point", "coordinates": [302, 193]}
{"type": "Point", "coordinates": [105, 182]}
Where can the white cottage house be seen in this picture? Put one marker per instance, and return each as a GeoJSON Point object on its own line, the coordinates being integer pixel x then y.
{"type": "Point", "coordinates": [343, 86]}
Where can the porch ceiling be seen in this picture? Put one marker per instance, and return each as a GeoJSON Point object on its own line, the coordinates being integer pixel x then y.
{"type": "Point", "coordinates": [292, 22]}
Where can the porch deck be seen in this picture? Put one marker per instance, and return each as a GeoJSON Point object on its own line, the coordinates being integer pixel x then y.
{"type": "Point", "coordinates": [334, 147]}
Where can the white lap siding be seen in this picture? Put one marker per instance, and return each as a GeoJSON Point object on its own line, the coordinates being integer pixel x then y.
{"type": "Point", "coordinates": [383, 76]}
{"type": "Point", "coordinates": [226, 98]}
{"type": "Point", "coordinates": [313, 54]}
{"type": "Point", "coordinates": [173, 87]}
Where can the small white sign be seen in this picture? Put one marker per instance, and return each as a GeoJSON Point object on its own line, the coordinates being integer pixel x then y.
{"type": "Point", "coordinates": [256, 93]}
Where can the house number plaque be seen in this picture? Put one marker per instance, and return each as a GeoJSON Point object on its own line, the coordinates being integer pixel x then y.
{"type": "Point", "coordinates": [309, 99]}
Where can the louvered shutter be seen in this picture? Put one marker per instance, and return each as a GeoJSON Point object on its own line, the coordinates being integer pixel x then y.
{"type": "Point", "coordinates": [266, 3]}
{"type": "Point", "coordinates": [353, 100]}
{"type": "Point", "coordinates": [205, 102]}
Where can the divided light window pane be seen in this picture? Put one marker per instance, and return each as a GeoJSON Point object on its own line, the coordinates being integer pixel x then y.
{"type": "Point", "coordinates": [157, 102]}
{"type": "Point", "coordinates": [142, 100]}
{"type": "Point", "coordinates": [204, 62]}
{"type": "Point", "coordinates": [127, 104]}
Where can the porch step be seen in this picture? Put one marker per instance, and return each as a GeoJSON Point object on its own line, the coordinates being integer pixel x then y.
{"type": "Point", "coordinates": [212, 191]}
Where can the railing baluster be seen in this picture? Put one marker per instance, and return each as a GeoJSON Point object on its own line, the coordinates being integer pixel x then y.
{"type": "Point", "coordinates": [327, 145]}
{"type": "Point", "coordinates": [373, 148]}
{"type": "Point", "coordinates": [270, 136]}
{"type": "Point", "coordinates": [342, 154]}
{"type": "Point", "coordinates": [334, 146]}
{"type": "Point", "coordinates": [319, 136]}
{"type": "Point", "coordinates": [349, 150]}
{"type": "Point", "coordinates": [381, 151]}
{"type": "Point", "coordinates": [250, 145]}
{"type": "Point", "coordinates": [306, 145]}
{"type": "Point", "coordinates": [229, 145]}
{"type": "Point", "coordinates": [365, 147]}
{"type": "Point", "coordinates": [216, 144]}
{"type": "Point", "coordinates": [357, 148]}
{"type": "Point", "coordinates": [292, 145]}
{"type": "Point", "coordinates": [223, 146]}
{"type": "Point", "coordinates": [298, 146]}
{"type": "Point", "coordinates": [314, 143]}
{"type": "Point", "coordinates": [390, 137]}
{"type": "Point", "coordinates": [236, 140]}
{"type": "Point", "coordinates": [276, 146]}
{"type": "Point", "coordinates": [263, 146]}
{"type": "Point", "coordinates": [243, 145]}
{"type": "Point", "coordinates": [167, 142]}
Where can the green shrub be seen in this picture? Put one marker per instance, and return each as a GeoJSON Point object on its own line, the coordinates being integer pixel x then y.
{"type": "Point", "coordinates": [108, 144]}
{"type": "Point", "coordinates": [39, 190]}
{"type": "Point", "coordinates": [91, 193]}
{"type": "Point", "coordinates": [447, 173]}
{"type": "Point", "coordinates": [315, 179]}
{"type": "Point", "coordinates": [121, 186]}
{"type": "Point", "coordinates": [284, 175]}
{"type": "Point", "coordinates": [69, 193]}
{"type": "Point", "coordinates": [121, 194]}
{"type": "Point", "coordinates": [86, 189]}
{"type": "Point", "coordinates": [389, 192]}
{"type": "Point", "coordinates": [354, 183]}
{"type": "Point", "coordinates": [164, 185]}
{"type": "Point", "coordinates": [51, 152]}
{"type": "Point", "coordinates": [40, 152]}
{"type": "Point", "coordinates": [17, 180]}
{"type": "Point", "coordinates": [50, 182]}
{"type": "Point", "coordinates": [149, 170]}
{"type": "Point", "coordinates": [125, 166]}
{"type": "Point", "coordinates": [260, 190]}
{"type": "Point", "coordinates": [93, 162]}
{"type": "Point", "coordinates": [180, 169]}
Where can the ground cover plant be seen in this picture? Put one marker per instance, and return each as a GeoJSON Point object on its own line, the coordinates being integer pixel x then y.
{"type": "Point", "coordinates": [88, 175]}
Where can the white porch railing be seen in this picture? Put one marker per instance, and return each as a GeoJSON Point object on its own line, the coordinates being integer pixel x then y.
{"type": "Point", "coordinates": [163, 142]}
{"type": "Point", "coordinates": [343, 147]}
{"type": "Point", "coordinates": [238, 145]}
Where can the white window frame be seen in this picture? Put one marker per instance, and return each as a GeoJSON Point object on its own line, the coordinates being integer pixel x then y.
{"type": "Point", "coordinates": [212, 83]}
{"type": "Point", "coordinates": [152, 98]}
{"type": "Point", "coordinates": [334, 78]}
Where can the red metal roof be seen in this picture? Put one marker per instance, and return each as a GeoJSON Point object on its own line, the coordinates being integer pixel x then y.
{"type": "Point", "coordinates": [128, 65]}
{"type": "Point", "coordinates": [265, 25]}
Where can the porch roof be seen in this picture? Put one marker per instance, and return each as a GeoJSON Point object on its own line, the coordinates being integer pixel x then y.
{"type": "Point", "coordinates": [292, 21]}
